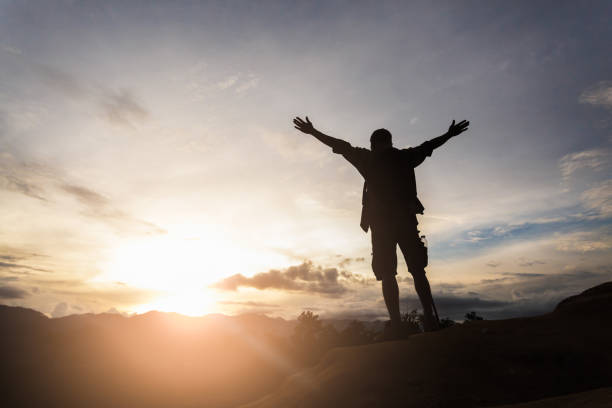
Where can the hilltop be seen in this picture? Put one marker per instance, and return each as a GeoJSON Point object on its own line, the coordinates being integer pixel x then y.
{"type": "Point", "coordinates": [478, 364]}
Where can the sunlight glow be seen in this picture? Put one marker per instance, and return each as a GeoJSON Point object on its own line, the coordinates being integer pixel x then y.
{"type": "Point", "coordinates": [195, 302]}
{"type": "Point", "coordinates": [182, 267]}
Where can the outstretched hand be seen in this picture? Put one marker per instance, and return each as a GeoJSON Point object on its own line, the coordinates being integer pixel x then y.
{"type": "Point", "coordinates": [302, 126]}
{"type": "Point", "coordinates": [454, 130]}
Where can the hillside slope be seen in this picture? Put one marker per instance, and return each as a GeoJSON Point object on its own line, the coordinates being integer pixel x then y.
{"type": "Point", "coordinates": [599, 398]}
{"type": "Point", "coordinates": [484, 363]}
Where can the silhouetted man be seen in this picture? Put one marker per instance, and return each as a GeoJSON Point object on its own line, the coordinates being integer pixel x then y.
{"type": "Point", "coordinates": [390, 205]}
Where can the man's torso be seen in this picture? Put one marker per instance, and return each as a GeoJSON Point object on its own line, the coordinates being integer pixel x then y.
{"type": "Point", "coordinates": [390, 185]}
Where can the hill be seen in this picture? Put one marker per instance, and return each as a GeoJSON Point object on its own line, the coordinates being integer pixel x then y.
{"type": "Point", "coordinates": [216, 361]}
{"type": "Point", "coordinates": [482, 363]}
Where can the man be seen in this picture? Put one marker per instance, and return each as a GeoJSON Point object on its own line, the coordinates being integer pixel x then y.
{"type": "Point", "coordinates": [390, 205]}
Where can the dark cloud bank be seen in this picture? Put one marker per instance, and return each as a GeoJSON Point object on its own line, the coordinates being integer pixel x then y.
{"type": "Point", "coordinates": [513, 294]}
{"type": "Point", "coordinates": [506, 296]}
{"type": "Point", "coordinates": [10, 292]}
{"type": "Point", "coordinates": [301, 278]}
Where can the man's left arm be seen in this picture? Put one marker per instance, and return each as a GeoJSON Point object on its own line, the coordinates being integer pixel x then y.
{"type": "Point", "coordinates": [419, 153]}
{"type": "Point", "coordinates": [453, 130]}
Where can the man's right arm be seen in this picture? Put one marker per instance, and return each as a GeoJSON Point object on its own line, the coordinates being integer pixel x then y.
{"type": "Point", "coordinates": [306, 127]}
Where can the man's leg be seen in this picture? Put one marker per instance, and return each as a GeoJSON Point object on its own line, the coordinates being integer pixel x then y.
{"type": "Point", "coordinates": [391, 295]}
{"type": "Point", "coordinates": [421, 284]}
{"type": "Point", "coordinates": [413, 251]}
{"type": "Point", "coordinates": [384, 265]}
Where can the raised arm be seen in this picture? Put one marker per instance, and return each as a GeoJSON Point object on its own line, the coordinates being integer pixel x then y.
{"type": "Point", "coordinates": [308, 128]}
{"type": "Point", "coordinates": [453, 131]}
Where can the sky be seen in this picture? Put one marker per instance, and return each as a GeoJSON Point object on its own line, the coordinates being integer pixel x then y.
{"type": "Point", "coordinates": [148, 160]}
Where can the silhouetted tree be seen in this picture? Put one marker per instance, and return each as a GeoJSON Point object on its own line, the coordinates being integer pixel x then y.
{"type": "Point", "coordinates": [307, 329]}
{"type": "Point", "coordinates": [472, 316]}
{"type": "Point", "coordinates": [307, 338]}
{"type": "Point", "coordinates": [312, 338]}
{"type": "Point", "coordinates": [412, 322]}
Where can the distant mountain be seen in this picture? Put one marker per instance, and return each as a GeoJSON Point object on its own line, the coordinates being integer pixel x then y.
{"type": "Point", "coordinates": [478, 364]}
{"type": "Point", "coordinates": [150, 360]}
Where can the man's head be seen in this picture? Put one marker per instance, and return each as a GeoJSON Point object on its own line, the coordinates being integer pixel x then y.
{"type": "Point", "coordinates": [380, 140]}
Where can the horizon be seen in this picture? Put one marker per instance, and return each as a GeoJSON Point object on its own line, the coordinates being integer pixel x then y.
{"type": "Point", "coordinates": [148, 160]}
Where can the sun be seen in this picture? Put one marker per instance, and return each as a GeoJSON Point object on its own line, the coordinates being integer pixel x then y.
{"type": "Point", "coordinates": [165, 263]}
{"type": "Point", "coordinates": [181, 268]}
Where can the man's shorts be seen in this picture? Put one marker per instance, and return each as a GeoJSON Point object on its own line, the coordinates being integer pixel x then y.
{"type": "Point", "coordinates": [386, 235]}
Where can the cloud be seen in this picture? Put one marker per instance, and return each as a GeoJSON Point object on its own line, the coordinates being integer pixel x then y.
{"type": "Point", "coordinates": [239, 82]}
{"type": "Point", "coordinates": [12, 265]}
{"type": "Point", "coordinates": [524, 275]}
{"type": "Point", "coordinates": [94, 295]}
{"type": "Point", "coordinates": [347, 261]}
{"type": "Point", "coordinates": [584, 241]}
{"type": "Point", "coordinates": [594, 159]}
{"type": "Point", "coordinates": [301, 278]}
{"type": "Point", "coordinates": [11, 50]}
{"type": "Point", "coordinates": [10, 258]}
{"type": "Point", "coordinates": [8, 265]}
{"type": "Point", "coordinates": [86, 196]}
{"type": "Point", "coordinates": [249, 303]}
{"type": "Point", "coordinates": [121, 108]}
{"type": "Point", "coordinates": [476, 236]}
{"type": "Point", "coordinates": [599, 199]}
{"type": "Point", "coordinates": [344, 262]}
{"type": "Point", "coordinates": [15, 261]}
{"type": "Point", "coordinates": [21, 177]}
{"type": "Point", "coordinates": [455, 306]}
{"type": "Point", "coordinates": [559, 228]}
{"type": "Point", "coordinates": [10, 292]}
{"type": "Point", "coordinates": [443, 286]}
{"type": "Point", "coordinates": [228, 82]}
{"type": "Point", "coordinates": [494, 280]}
{"type": "Point", "coordinates": [511, 294]}
{"type": "Point", "coordinates": [99, 207]}
{"type": "Point", "coordinates": [524, 294]}
{"type": "Point", "coordinates": [65, 83]}
{"type": "Point", "coordinates": [562, 284]}
{"type": "Point", "coordinates": [599, 94]}
{"type": "Point", "coordinates": [527, 263]}
{"type": "Point", "coordinates": [358, 279]}
{"type": "Point", "coordinates": [37, 181]}
{"type": "Point", "coordinates": [493, 264]}
{"type": "Point", "coordinates": [249, 82]}
{"type": "Point", "coordinates": [60, 310]}
{"type": "Point", "coordinates": [13, 183]}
